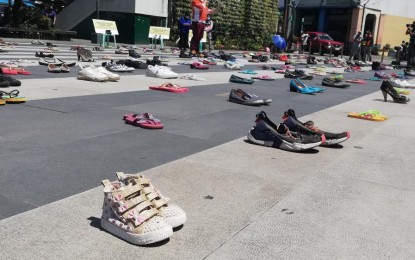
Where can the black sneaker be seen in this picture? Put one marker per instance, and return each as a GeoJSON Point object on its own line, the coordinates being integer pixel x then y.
{"type": "Point", "coordinates": [134, 54]}
{"type": "Point", "coordinates": [334, 83]}
{"type": "Point", "coordinates": [12, 82]}
{"type": "Point", "coordinates": [266, 133]}
{"type": "Point", "coordinates": [291, 121]}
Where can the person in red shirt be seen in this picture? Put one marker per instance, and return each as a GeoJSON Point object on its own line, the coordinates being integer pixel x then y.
{"type": "Point", "coordinates": [200, 12]}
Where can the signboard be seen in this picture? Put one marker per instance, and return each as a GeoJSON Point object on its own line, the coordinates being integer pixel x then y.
{"type": "Point", "coordinates": [158, 32]}
{"type": "Point", "coordinates": [103, 25]}
{"type": "Point", "coordinates": [204, 39]}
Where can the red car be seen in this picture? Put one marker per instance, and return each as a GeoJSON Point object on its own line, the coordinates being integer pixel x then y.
{"type": "Point", "coordinates": [316, 39]}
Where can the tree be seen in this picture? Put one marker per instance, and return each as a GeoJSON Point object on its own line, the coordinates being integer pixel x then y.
{"type": "Point", "coordinates": [247, 24]}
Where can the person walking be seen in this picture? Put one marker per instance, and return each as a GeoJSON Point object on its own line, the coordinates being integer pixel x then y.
{"type": "Point", "coordinates": [200, 12]}
{"type": "Point", "coordinates": [184, 24]}
{"type": "Point", "coordinates": [357, 39]}
{"type": "Point", "coordinates": [410, 30]}
{"type": "Point", "coordinates": [367, 46]}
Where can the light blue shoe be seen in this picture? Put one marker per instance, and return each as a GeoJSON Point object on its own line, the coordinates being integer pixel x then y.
{"type": "Point", "coordinates": [296, 86]}
{"type": "Point", "coordinates": [315, 89]}
{"type": "Point", "coordinates": [248, 72]}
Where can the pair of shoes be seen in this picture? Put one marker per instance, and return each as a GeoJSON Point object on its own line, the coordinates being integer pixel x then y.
{"type": "Point", "coordinates": [192, 77]}
{"type": "Point", "coordinates": [241, 97]}
{"type": "Point", "coordinates": [6, 81]}
{"type": "Point", "coordinates": [266, 133]}
{"type": "Point", "coordinates": [372, 115]}
{"type": "Point", "coordinates": [11, 97]}
{"type": "Point", "coordinates": [241, 80]}
{"type": "Point", "coordinates": [169, 87]}
{"type": "Point", "coordinates": [387, 88]}
{"type": "Point", "coordinates": [296, 85]}
{"type": "Point", "coordinates": [98, 74]}
{"type": "Point", "coordinates": [263, 77]}
{"type": "Point", "coordinates": [145, 120]}
{"type": "Point", "coordinates": [330, 82]}
{"type": "Point", "coordinates": [160, 72]}
{"type": "Point", "coordinates": [135, 211]}
{"type": "Point", "coordinates": [42, 55]}
{"type": "Point", "coordinates": [298, 74]}
{"type": "Point", "coordinates": [84, 55]}
{"type": "Point", "coordinates": [58, 69]}
{"type": "Point", "coordinates": [197, 65]}
{"type": "Point", "coordinates": [133, 63]}
{"type": "Point", "coordinates": [115, 67]}
{"type": "Point", "coordinates": [290, 120]}
{"type": "Point", "coordinates": [133, 53]}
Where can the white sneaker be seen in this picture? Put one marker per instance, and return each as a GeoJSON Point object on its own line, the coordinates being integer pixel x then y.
{"type": "Point", "coordinates": [111, 76]}
{"type": "Point", "coordinates": [192, 77]}
{"type": "Point", "coordinates": [119, 68]}
{"type": "Point", "coordinates": [90, 74]}
{"type": "Point", "coordinates": [160, 72]}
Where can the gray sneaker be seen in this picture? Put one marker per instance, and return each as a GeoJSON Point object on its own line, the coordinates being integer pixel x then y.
{"type": "Point", "coordinates": [241, 97]}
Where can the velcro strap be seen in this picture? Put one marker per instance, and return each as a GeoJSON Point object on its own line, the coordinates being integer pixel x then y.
{"type": "Point", "coordinates": [130, 190]}
{"type": "Point", "coordinates": [125, 205]}
{"type": "Point", "coordinates": [159, 203]}
{"type": "Point", "coordinates": [140, 207]}
{"type": "Point", "coordinates": [138, 219]}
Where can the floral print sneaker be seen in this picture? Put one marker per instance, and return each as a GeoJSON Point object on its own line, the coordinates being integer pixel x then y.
{"type": "Point", "coordinates": [172, 213]}
{"type": "Point", "coordinates": [128, 213]}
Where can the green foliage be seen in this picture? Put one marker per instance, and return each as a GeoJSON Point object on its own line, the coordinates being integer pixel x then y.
{"type": "Point", "coordinates": [242, 24]}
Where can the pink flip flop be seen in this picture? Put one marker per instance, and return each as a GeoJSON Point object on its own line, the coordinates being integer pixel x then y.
{"type": "Point", "coordinates": [145, 120]}
{"type": "Point", "coordinates": [263, 77]}
{"type": "Point", "coordinates": [358, 81]}
{"type": "Point", "coordinates": [8, 71]}
{"type": "Point", "coordinates": [170, 88]}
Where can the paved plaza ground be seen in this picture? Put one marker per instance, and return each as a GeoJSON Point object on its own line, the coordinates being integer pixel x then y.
{"type": "Point", "coordinates": [243, 201]}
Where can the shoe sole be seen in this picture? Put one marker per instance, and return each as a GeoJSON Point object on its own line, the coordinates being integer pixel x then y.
{"type": "Point", "coordinates": [255, 103]}
{"type": "Point", "coordinates": [284, 145]}
{"type": "Point", "coordinates": [176, 221]}
{"type": "Point", "coordinates": [336, 141]}
{"type": "Point", "coordinates": [135, 239]}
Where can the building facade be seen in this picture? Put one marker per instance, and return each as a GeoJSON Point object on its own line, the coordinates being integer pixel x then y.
{"type": "Point", "coordinates": [342, 19]}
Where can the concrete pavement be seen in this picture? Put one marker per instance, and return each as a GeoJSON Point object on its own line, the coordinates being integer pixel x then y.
{"type": "Point", "coordinates": [243, 201]}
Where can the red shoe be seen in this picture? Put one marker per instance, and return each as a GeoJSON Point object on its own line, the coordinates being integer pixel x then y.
{"type": "Point", "coordinates": [208, 62]}
{"type": "Point", "coordinates": [197, 65]}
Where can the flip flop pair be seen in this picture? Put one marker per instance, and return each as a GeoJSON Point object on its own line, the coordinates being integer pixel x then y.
{"type": "Point", "coordinates": [372, 115]}
{"type": "Point", "coordinates": [145, 120]}
{"type": "Point", "coordinates": [169, 87]}
{"type": "Point", "coordinates": [15, 71]}
{"type": "Point", "coordinates": [11, 97]}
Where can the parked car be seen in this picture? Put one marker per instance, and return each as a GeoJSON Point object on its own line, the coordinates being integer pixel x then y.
{"type": "Point", "coordinates": [316, 39]}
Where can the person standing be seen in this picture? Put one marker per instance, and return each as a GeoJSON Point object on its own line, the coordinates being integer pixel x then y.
{"type": "Point", "coordinates": [52, 17]}
{"type": "Point", "coordinates": [367, 46]}
{"type": "Point", "coordinates": [410, 30]}
{"type": "Point", "coordinates": [184, 24]}
{"type": "Point", "coordinates": [357, 39]}
{"type": "Point", "coordinates": [304, 42]}
{"type": "Point", "coordinates": [200, 12]}
{"type": "Point", "coordinates": [209, 31]}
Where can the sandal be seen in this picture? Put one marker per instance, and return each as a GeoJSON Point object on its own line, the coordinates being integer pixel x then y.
{"type": "Point", "coordinates": [248, 72]}
{"type": "Point", "coordinates": [12, 97]}
{"type": "Point", "coordinates": [145, 120]}
{"type": "Point", "coordinates": [263, 77]}
{"type": "Point", "coordinates": [358, 81]}
{"type": "Point", "coordinates": [372, 115]}
{"type": "Point", "coordinates": [8, 71]}
{"type": "Point", "coordinates": [169, 87]}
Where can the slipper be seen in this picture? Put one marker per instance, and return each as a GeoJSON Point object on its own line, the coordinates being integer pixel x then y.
{"type": "Point", "coordinates": [22, 71]}
{"type": "Point", "coordinates": [145, 120]}
{"type": "Point", "coordinates": [263, 77]}
{"type": "Point", "coordinates": [8, 71]}
{"type": "Point", "coordinates": [358, 81]}
{"type": "Point", "coordinates": [374, 79]}
{"type": "Point", "coordinates": [372, 115]}
{"type": "Point", "coordinates": [248, 72]}
{"type": "Point", "coordinates": [169, 87]}
{"type": "Point", "coordinates": [12, 97]}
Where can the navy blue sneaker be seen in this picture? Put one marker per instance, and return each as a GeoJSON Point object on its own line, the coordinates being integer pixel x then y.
{"type": "Point", "coordinates": [291, 121]}
{"type": "Point", "coordinates": [266, 133]}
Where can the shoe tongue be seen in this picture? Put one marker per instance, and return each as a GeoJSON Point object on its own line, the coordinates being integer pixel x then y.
{"type": "Point", "coordinates": [282, 129]}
